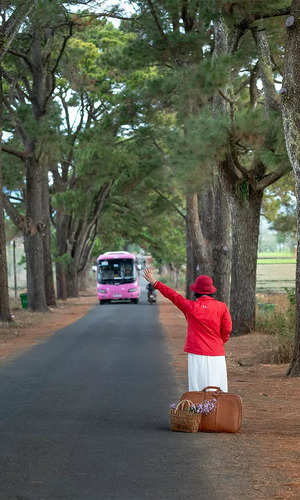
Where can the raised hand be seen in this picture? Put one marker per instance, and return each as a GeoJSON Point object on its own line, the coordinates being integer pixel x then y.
{"type": "Point", "coordinates": [148, 275]}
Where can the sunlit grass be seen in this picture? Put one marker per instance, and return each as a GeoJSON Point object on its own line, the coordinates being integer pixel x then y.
{"type": "Point", "coordinates": [276, 254]}
{"type": "Point", "coordinates": [271, 260]}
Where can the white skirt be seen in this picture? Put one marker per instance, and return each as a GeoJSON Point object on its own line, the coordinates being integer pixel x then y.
{"type": "Point", "coordinates": [207, 370]}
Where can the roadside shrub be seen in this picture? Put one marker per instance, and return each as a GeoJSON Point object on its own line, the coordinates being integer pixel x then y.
{"type": "Point", "coordinates": [291, 294]}
{"type": "Point", "coordinates": [281, 325]}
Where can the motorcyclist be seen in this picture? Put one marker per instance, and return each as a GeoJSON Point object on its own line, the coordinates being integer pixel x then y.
{"type": "Point", "coordinates": [151, 291]}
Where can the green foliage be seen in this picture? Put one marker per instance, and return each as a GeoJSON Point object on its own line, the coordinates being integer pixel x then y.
{"type": "Point", "coordinates": [22, 261]}
{"type": "Point", "coordinates": [13, 171]}
{"type": "Point", "coordinates": [143, 219]}
{"type": "Point", "coordinates": [286, 224]}
{"type": "Point", "coordinates": [213, 74]}
{"type": "Point", "coordinates": [65, 260]}
{"type": "Point", "coordinates": [195, 148]}
{"type": "Point", "coordinates": [11, 231]}
{"type": "Point", "coordinates": [250, 126]}
{"type": "Point", "coordinates": [281, 326]}
{"type": "Point", "coordinates": [149, 127]}
{"type": "Point", "coordinates": [279, 207]}
{"type": "Point", "coordinates": [242, 190]}
{"type": "Point", "coordinates": [291, 294]}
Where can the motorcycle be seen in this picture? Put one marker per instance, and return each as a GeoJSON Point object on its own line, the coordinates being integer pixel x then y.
{"type": "Point", "coordinates": [151, 295]}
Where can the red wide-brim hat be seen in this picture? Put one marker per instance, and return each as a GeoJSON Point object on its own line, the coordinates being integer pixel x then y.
{"type": "Point", "coordinates": [203, 284]}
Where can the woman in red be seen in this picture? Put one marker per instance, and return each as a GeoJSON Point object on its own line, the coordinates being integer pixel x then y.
{"type": "Point", "coordinates": [208, 328]}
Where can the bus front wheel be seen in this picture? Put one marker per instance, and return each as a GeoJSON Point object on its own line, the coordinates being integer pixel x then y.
{"type": "Point", "coordinates": [135, 301]}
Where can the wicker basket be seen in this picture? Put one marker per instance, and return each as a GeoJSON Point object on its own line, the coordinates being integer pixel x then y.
{"type": "Point", "coordinates": [182, 420]}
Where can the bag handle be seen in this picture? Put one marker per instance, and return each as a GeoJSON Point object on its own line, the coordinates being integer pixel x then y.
{"type": "Point", "coordinates": [182, 403]}
{"type": "Point", "coordinates": [212, 387]}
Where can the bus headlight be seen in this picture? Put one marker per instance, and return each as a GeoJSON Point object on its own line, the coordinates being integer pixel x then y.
{"type": "Point", "coordinates": [102, 291]}
{"type": "Point", "coordinates": [131, 289]}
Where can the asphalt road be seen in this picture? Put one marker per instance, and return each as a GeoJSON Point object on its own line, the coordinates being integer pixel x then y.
{"type": "Point", "coordinates": [84, 416]}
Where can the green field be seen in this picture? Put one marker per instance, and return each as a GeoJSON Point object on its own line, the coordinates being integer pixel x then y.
{"type": "Point", "coordinates": [275, 277]}
{"type": "Point", "coordinates": [279, 260]}
{"type": "Point", "coordinates": [275, 254]}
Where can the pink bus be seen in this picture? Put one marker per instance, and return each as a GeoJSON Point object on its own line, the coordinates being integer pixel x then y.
{"type": "Point", "coordinates": [117, 277]}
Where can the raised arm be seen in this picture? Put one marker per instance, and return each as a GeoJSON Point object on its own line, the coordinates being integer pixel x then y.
{"type": "Point", "coordinates": [177, 299]}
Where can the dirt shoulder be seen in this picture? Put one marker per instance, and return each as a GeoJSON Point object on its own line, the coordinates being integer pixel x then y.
{"type": "Point", "coordinates": [268, 447]}
{"type": "Point", "coordinates": [30, 328]}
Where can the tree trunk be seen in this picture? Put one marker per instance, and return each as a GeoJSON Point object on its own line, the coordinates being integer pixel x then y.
{"type": "Point", "coordinates": [190, 273]}
{"type": "Point", "coordinates": [72, 281]}
{"type": "Point", "coordinates": [222, 244]}
{"type": "Point", "coordinates": [33, 237]}
{"type": "Point", "coordinates": [61, 282]}
{"type": "Point", "coordinates": [82, 233]}
{"type": "Point", "coordinates": [4, 296]}
{"type": "Point", "coordinates": [208, 237]}
{"type": "Point", "coordinates": [265, 69]}
{"type": "Point", "coordinates": [215, 221]}
{"type": "Point", "coordinates": [198, 250]}
{"type": "Point", "coordinates": [291, 112]}
{"type": "Point", "coordinates": [217, 210]}
{"type": "Point", "coordinates": [83, 279]}
{"type": "Point", "coordinates": [176, 278]}
{"type": "Point", "coordinates": [294, 368]}
{"type": "Point", "coordinates": [62, 225]}
{"type": "Point", "coordinates": [245, 232]}
{"type": "Point", "coordinates": [48, 267]}
{"type": "Point", "coordinates": [200, 246]}
{"type": "Point", "coordinates": [247, 194]}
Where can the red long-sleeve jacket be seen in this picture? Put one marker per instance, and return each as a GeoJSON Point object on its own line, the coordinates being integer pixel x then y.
{"type": "Point", "coordinates": [208, 322]}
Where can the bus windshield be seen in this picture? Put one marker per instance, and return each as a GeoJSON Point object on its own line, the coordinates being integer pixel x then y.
{"type": "Point", "coordinates": [116, 271]}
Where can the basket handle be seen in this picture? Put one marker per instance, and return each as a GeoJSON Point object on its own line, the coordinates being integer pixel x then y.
{"type": "Point", "coordinates": [182, 403]}
{"type": "Point", "coordinates": [212, 387]}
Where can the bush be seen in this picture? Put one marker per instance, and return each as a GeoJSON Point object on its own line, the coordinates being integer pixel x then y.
{"type": "Point", "coordinates": [282, 327]}
{"type": "Point", "coordinates": [291, 294]}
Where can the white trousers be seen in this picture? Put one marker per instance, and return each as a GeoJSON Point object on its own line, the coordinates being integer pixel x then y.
{"type": "Point", "coordinates": [207, 370]}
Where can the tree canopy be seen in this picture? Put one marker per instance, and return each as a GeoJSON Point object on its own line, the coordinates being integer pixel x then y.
{"type": "Point", "coordinates": [162, 131]}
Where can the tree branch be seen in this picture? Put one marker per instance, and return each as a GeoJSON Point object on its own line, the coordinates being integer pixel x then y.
{"type": "Point", "coordinates": [56, 177]}
{"type": "Point", "coordinates": [19, 154]}
{"type": "Point", "coordinates": [159, 27]}
{"type": "Point", "coordinates": [268, 179]}
{"type": "Point", "coordinates": [271, 100]}
{"type": "Point", "coordinates": [66, 110]}
{"type": "Point", "coordinates": [109, 14]}
{"type": "Point", "coordinates": [231, 104]}
{"type": "Point", "coordinates": [245, 23]}
{"type": "Point", "coordinates": [242, 86]}
{"type": "Point", "coordinates": [253, 85]}
{"type": "Point", "coordinates": [170, 202]}
{"type": "Point", "coordinates": [13, 214]}
{"type": "Point", "coordinates": [22, 56]}
{"type": "Point", "coordinates": [238, 170]}
{"type": "Point", "coordinates": [62, 49]}
{"type": "Point", "coordinates": [10, 28]}
{"type": "Point", "coordinates": [156, 20]}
